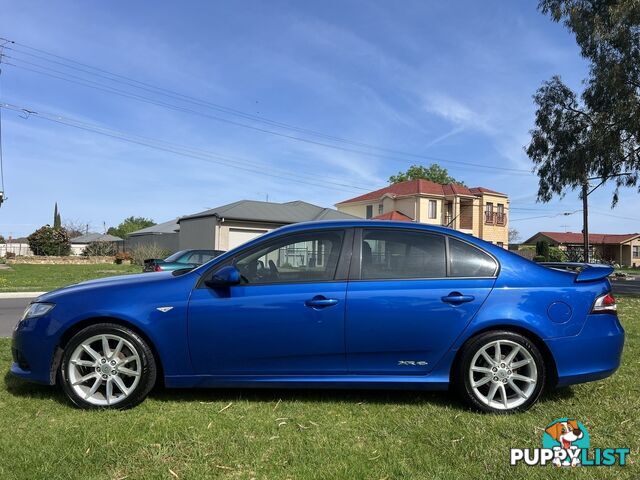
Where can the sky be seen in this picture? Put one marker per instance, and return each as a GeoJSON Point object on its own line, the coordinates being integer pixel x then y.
{"type": "Point", "coordinates": [314, 101]}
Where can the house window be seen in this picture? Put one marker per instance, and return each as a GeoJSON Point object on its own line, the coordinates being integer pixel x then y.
{"type": "Point", "coordinates": [432, 209]}
{"type": "Point", "coordinates": [500, 217]}
{"type": "Point", "coordinates": [501, 244]}
{"type": "Point", "coordinates": [488, 213]}
{"type": "Point", "coordinates": [636, 251]}
{"type": "Point", "coordinates": [369, 211]}
{"type": "Point", "coordinates": [380, 208]}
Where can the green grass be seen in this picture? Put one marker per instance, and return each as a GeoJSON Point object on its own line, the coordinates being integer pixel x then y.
{"type": "Point", "coordinates": [629, 270]}
{"type": "Point", "coordinates": [42, 278]}
{"type": "Point", "coordinates": [277, 434]}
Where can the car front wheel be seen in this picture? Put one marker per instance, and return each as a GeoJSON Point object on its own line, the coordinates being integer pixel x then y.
{"type": "Point", "coordinates": [501, 372]}
{"type": "Point", "coordinates": [107, 366]}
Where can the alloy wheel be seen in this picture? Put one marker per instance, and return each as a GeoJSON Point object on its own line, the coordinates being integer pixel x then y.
{"type": "Point", "coordinates": [503, 374]}
{"type": "Point", "coordinates": [104, 369]}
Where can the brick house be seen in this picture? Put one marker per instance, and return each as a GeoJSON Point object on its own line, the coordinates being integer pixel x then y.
{"type": "Point", "coordinates": [623, 249]}
{"type": "Point", "coordinates": [478, 211]}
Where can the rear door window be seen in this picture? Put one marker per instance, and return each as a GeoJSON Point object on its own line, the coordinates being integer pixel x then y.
{"type": "Point", "coordinates": [402, 254]}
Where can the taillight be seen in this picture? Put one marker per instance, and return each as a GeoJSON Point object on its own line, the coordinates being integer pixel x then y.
{"type": "Point", "coordinates": [157, 268]}
{"type": "Point", "coordinates": [605, 304]}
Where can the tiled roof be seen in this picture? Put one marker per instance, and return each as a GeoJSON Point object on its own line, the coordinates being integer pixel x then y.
{"type": "Point", "coordinates": [394, 215]}
{"type": "Point", "coordinates": [594, 238]}
{"type": "Point", "coordinates": [95, 237]}
{"type": "Point", "coordinates": [417, 187]}
{"type": "Point", "coordinates": [282, 213]}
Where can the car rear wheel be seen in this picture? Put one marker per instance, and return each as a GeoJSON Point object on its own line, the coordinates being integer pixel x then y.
{"type": "Point", "coordinates": [107, 366]}
{"type": "Point", "coordinates": [501, 372]}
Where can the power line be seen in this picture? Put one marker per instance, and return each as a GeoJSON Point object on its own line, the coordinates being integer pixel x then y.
{"type": "Point", "coordinates": [200, 154]}
{"type": "Point", "coordinates": [44, 70]}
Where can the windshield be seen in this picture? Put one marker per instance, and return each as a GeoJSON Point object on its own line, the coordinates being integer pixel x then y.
{"type": "Point", "coordinates": [176, 257]}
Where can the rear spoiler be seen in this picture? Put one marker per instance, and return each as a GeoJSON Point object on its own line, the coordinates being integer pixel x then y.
{"type": "Point", "coordinates": [587, 272]}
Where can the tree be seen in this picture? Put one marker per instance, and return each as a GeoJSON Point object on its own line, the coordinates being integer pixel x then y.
{"type": "Point", "coordinates": [48, 240]}
{"type": "Point", "coordinates": [433, 172]}
{"type": "Point", "coordinates": [76, 228]}
{"type": "Point", "coordinates": [542, 249]}
{"type": "Point", "coordinates": [57, 222]}
{"type": "Point", "coordinates": [514, 235]}
{"type": "Point", "coordinates": [130, 224]}
{"type": "Point", "coordinates": [595, 133]}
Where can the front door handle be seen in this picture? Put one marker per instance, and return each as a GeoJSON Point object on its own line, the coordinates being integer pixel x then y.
{"type": "Point", "coordinates": [456, 298]}
{"type": "Point", "coordinates": [320, 301]}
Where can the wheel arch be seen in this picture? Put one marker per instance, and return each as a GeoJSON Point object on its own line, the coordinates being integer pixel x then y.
{"type": "Point", "coordinates": [87, 322]}
{"type": "Point", "coordinates": [552, 377]}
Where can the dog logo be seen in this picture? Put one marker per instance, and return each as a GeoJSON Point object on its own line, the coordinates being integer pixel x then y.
{"type": "Point", "coordinates": [565, 443]}
{"type": "Point", "coordinates": [569, 435]}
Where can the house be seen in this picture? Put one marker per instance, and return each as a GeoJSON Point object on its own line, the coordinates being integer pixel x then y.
{"type": "Point", "coordinates": [78, 244]}
{"type": "Point", "coordinates": [623, 249]}
{"type": "Point", "coordinates": [228, 226]}
{"type": "Point", "coordinates": [477, 211]}
{"type": "Point", "coordinates": [164, 235]}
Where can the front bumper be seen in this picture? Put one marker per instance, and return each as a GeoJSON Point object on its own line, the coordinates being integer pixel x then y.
{"type": "Point", "coordinates": [33, 351]}
{"type": "Point", "coordinates": [593, 354]}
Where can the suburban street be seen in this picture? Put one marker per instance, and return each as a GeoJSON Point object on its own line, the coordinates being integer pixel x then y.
{"type": "Point", "coordinates": [10, 311]}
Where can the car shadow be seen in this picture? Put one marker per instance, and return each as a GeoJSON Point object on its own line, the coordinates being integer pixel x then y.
{"type": "Point", "coordinates": [21, 388]}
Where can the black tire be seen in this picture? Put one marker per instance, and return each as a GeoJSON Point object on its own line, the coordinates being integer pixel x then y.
{"type": "Point", "coordinates": [462, 380]}
{"type": "Point", "coordinates": [148, 369]}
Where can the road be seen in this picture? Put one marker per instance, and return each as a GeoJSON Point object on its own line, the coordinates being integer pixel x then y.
{"type": "Point", "coordinates": [11, 308]}
{"type": "Point", "coordinates": [10, 311]}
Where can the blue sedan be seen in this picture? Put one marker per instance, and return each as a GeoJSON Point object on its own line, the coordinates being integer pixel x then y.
{"type": "Point", "coordinates": [358, 304]}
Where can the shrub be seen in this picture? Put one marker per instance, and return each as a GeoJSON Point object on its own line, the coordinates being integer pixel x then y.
{"type": "Point", "coordinates": [539, 258]}
{"type": "Point", "coordinates": [140, 253]}
{"type": "Point", "coordinates": [9, 255]}
{"type": "Point", "coordinates": [99, 249]}
{"type": "Point", "coordinates": [556, 255]}
{"type": "Point", "coordinates": [122, 257]}
{"type": "Point", "coordinates": [542, 249]}
{"type": "Point", "coordinates": [49, 241]}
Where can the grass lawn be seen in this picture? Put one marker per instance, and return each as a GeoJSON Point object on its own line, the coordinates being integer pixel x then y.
{"type": "Point", "coordinates": [42, 278]}
{"type": "Point", "coordinates": [274, 434]}
{"type": "Point", "coordinates": [629, 271]}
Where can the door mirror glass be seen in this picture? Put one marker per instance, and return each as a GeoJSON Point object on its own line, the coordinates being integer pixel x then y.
{"type": "Point", "coordinates": [225, 277]}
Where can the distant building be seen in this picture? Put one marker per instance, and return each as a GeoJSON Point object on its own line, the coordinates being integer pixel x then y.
{"type": "Point", "coordinates": [478, 211]}
{"type": "Point", "coordinates": [228, 226]}
{"type": "Point", "coordinates": [78, 244]}
{"type": "Point", "coordinates": [623, 249]}
{"type": "Point", "coordinates": [164, 235]}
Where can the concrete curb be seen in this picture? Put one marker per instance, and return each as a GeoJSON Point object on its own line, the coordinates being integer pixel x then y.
{"type": "Point", "coordinates": [20, 294]}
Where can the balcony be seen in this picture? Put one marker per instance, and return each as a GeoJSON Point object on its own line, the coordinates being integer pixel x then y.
{"type": "Point", "coordinates": [493, 218]}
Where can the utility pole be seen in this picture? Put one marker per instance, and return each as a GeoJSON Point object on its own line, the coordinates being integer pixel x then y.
{"type": "Point", "coordinates": [585, 220]}
{"type": "Point", "coordinates": [585, 208]}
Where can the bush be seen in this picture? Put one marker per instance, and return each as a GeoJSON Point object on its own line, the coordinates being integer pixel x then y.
{"type": "Point", "coordinates": [122, 257]}
{"type": "Point", "coordinates": [100, 249]}
{"type": "Point", "coordinates": [141, 253]}
{"type": "Point", "coordinates": [556, 255]}
{"type": "Point", "coordinates": [539, 258]}
{"type": "Point", "coordinates": [10, 255]}
{"type": "Point", "coordinates": [542, 249]}
{"type": "Point", "coordinates": [49, 241]}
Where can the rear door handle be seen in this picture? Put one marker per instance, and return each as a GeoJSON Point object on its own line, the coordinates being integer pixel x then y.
{"type": "Point", "coordinates": [456, 298]}
{"type": "Point", "coordinates": [320, 301]}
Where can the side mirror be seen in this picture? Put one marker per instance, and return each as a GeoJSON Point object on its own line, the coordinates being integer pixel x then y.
{"type": "Point", "coordinates": [225, 277]}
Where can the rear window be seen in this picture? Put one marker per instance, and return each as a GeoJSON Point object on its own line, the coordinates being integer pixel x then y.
{"type": "Point", "coordinates": [469, 261]}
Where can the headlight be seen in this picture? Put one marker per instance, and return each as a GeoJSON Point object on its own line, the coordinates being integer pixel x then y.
{"type": "Point", "coordinates": [37, 310]}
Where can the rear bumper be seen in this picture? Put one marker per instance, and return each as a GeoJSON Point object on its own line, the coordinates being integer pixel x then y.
{"type": "Point", "coordinates": [593, 354]}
